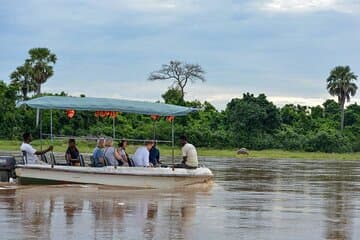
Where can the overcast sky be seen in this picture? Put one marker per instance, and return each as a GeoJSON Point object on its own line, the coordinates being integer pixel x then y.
{"type": "Point", "coordinates": [107, 48]}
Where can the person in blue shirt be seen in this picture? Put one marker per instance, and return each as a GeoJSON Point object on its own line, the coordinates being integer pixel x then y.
{"type": "Point", "coordinates": [98, 154]}
{"type": "Point", "coordinates": [154, 156]}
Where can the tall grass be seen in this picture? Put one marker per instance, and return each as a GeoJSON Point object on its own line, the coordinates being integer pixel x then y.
{"type": "Point", "coordinates": [88, 146]}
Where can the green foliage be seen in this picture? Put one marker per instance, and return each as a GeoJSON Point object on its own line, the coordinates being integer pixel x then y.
{"type": "Point", "coordinates": [328, 142]}
{"type": "Point", "coordinates": [173, 96]}
{"type": "Point", "coordinates": [341, 83]}
{"type": "Point", "coordinates": [22, 80]}
{"type": "Point", "coordinates": [250, 121]}
{"type": "Point", "coordinates": [288, 139]}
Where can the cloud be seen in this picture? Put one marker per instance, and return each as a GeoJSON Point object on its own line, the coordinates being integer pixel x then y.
{"type": "Point", "coordinates": [244, 46]}
{"type": "Point", "coordinates": [345, 6]}
{"type": "Point", "coordinates": [65, 14]}
{"type": "Point", "coordinates": [219, 96]}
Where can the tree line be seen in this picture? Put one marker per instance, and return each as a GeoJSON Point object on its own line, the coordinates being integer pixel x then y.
{"type": "Point", "coordinates": [248, 121]}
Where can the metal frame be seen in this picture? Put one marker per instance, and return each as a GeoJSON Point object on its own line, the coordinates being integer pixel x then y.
{"type": "Point", "coordinates": [52, 137]}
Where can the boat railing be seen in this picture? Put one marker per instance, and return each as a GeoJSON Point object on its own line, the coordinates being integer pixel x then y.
{"type": "Point", "coordinates": [85, 159]}
{"type": "Point", "coordinates": [94, 138]}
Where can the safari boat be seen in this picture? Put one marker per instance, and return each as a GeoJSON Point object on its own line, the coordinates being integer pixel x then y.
{"type": "Point", "coordinates": [127, 177]}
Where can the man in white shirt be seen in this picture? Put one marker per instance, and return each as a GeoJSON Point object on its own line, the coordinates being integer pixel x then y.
{"type": "Point", "coordinates": [141, 155]}
{"type": "Point", "coordinates": [30, 151]}
{"type": "Point", "coordinates": [189, 154]}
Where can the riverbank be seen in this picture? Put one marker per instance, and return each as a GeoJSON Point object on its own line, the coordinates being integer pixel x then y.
{"type": "Point", "coordinates": [87, 147]}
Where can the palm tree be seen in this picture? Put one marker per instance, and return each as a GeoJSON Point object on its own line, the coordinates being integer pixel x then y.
{"type": "Point", "coordinates": [41, 60]}
{"type": "Point", "coordinates": [341, 83]}
{"type": "Point", "coordinates": [21, 78]}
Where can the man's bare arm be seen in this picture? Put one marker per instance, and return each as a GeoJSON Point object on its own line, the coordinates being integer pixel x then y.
{"type": "Point", "coordinates": [50, 148]}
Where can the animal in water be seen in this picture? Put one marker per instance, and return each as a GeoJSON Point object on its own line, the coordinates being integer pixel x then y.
{"type": "Point", "coordinates": [243, 151]}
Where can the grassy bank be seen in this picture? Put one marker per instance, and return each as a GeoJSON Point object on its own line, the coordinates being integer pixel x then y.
{"type": "Point", "coordinates": [84, 146]}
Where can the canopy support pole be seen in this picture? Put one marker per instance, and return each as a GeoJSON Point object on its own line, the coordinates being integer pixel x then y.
{"type": "Point", "coordinates": [41, 133]}
{"type": "Point", "coordinates": [37, 117]}
{"type": "Point", "coordinates": [172, 142]}
{"type": "Point", "coordinates": [154, 131]}
{"type": "Point", "coordinates": [51, 125]}
{"type": "Point", "coordinates": [113, 127]}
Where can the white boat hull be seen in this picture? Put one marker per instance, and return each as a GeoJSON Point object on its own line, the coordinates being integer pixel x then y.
{"type": "Point", "coordinates": [127, 177]}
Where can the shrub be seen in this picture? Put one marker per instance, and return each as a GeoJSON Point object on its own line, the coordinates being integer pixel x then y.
{"type": "Point", "coordinates": [328, 142]}
{"type": "Point", "coordinates": [289, 140]}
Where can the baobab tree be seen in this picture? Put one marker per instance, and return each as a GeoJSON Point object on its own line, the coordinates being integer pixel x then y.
{"type": "Point", "coordinates": [180, 74]}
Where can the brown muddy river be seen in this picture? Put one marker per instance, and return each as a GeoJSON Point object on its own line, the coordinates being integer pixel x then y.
{"type": "Point", "coordinates": [251, 199]}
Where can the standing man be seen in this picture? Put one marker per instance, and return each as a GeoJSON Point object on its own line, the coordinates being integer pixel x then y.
{"type": "Point", "coordinates": [30, 151]}
{"type": "Point", "coordinates": [141, 155]}
{"type": "Point", "coordinates": [189, 154]}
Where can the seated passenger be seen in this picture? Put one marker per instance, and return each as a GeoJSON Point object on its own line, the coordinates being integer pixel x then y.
{"type": "Point", "coordinates": [154, 156]}
{"type": "Point", "coordinates": [189, 154]}
{"type": "Point", "coordinates": [111, 155]}
{"type": "Point", "coordinates": [98, 154]}
{"type": "Point", "coordinates": [123, 155]}
{"type": "Point", "coordinates": [30, 151]}
{"type": "Point", "coordinates": [141, 155]}
{"type": "Point", "coordinates": [72, 154]}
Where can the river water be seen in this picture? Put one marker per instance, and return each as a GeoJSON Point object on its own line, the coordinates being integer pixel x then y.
{"type": "Point", "coordinates": [250, 199]}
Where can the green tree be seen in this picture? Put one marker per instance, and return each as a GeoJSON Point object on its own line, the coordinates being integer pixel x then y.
{"type": "Point", "coordinates": [22, 79]}
{"type": "Point", "coordinates": [9, 126]}
{"type": "Point", "coordinates": [41, 61]}
{"type": "Point", "coordinates": [317, 112]}
{"type": "Point", "coordinates": [341, 83]}
{"type": "Point", "coordinates": [252, 120]}
{"type": "Point", "coordinates": [180, 73]}
{"type": "Point", "coordinates": [173, 96]}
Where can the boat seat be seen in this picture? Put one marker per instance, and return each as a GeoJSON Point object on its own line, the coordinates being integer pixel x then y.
{"type": "Point", "coordinates": [91, 161]}
{"type": "Point", "coordinates": [43, 158]}
{"type": "Point", "coordinates": [92, 164]}
{"type": "Point", "coordinates": [82, 162]}
{"type": "Point", "coordinates": [67, 161]}
{"type": "Point", "coordinates": [131, 162]}
{"type": "Point", "coordinates": [24, 157]}
{"type": "Point", "coordinates": [53, 160]}
{"type": "Point", "coordinates": [106, 161]}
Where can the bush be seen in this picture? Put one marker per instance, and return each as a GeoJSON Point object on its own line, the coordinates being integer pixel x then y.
{"type": "Point", "coordinates": [289, 140]}
{"type": "Point", "coordinates": [260, 142]}
{"type": "Point", "coordinates": [328, 142]}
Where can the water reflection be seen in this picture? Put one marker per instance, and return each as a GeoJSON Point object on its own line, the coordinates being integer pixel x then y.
{"type": "Point", "coordinates": [252, 199]}
{"type": "Point", "coordinates": [57, 212]}
{"type": "Point", "coordinates": [339, 204]}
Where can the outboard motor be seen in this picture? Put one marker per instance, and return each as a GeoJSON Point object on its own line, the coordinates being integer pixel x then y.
{"type": "Point", "coordinates": [7, 168]}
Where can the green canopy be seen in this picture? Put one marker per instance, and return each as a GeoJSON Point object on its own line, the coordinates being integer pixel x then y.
{"type": "Point", "coordinates": [107, 104]}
